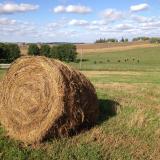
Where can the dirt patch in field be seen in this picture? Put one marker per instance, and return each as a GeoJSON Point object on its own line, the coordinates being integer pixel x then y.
{"type": "Point", "coordinates": [97, 73]}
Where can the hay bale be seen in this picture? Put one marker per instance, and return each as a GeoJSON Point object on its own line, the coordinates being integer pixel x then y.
{"type": "Point", "coordinates": [44, 98]}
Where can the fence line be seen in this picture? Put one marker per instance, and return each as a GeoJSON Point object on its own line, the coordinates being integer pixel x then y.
{"type": "Point", "coordinates": [4, 66]}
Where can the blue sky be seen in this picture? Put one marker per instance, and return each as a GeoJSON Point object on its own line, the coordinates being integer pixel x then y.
{"type": "Point", "coordinates": [77, 21]}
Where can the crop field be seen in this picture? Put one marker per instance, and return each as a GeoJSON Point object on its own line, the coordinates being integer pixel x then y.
{"type": "Point", "coordinates": [110, 47]}
{"type": "Point", "coordinates": [128, 89]}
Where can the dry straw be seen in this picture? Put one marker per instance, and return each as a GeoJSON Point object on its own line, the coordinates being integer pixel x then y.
{"type": "Point", "coordinates": [43, 98]}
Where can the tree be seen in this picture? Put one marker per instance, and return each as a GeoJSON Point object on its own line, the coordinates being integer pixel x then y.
{"type": "Point", "coordinates": [54, 52]}
{"type": "Point", "coordinates": [154, 40]}
{"type": "Point", "coordinates": [45, 50]}
{"type": "Point", "coordinates": [64, 52]}
{"type": "Point", "coordinates": [67, 52]}
{"type": "Point", "coordinates": [111, 40]}
{"type": "Point", "coordinates": [103, 40]}
{"type": "Point", "coordinates": [126, 40]}
{"type": "Point", "coordinates": [122, 40]}
{"type": "Point", "coordinates": [9, 52]}
{"type": "Point", "coordinates": [33, 49]}
{"type": "Point", "coordinates": [2, 51]}
{"type": "Point", "coordinates": [13, 52]}
{"type": "Point", "coordinates": [141, 39]}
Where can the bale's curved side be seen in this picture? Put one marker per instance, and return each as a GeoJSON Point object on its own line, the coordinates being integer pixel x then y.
{"type": "Point", "coordinates": [42, 97]}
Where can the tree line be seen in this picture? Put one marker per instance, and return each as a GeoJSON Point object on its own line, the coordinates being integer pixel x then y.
{"type": "Point", "coordinates": [136, 39]}
{"type": "Point", "coordinates": [111, 40]}
{"type": "Point", "coordinates": [63, 52]}
{"type": "Point", "coordinates": [9, 52]}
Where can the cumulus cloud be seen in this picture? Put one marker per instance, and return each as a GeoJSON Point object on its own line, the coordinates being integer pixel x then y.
{"type": "Point", "coordinates": [76, 22]}
{"type": "Point", "coordinates": [124, 26]}
{"type": "Point", "coordinates": [9, 8]}
{"type": "Point", "coordinates": [72, 9]}
{"type": "Point", "coordinates": [11, 27]}
{"type": "Point", "coordinates": [143, 19]}
{"type": "Point", "coordinates": [139, 7]}
{"type": "Point", "coordinates": [6, 21]}
{"type": "Point", "coordinates": [112, 14]}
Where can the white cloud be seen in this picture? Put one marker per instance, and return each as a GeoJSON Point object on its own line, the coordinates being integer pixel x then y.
{"type": "Point", "coordinates": [8, 8]}
{"type": "Point", "coordinates": [59, 9]}
{"type": "Point", "coordinates": [13, 27]}
{"type": "Point", "coordinates": [112, 14]}
{"type": "Point", "coordinates": [139, 7]}
{"type": "Point", "coordinates": [66, 29]}
{"type": "Point", "coordinates": [72, 9]}
{"type": "Point", "coordinates": [124, 26]}
{"type": "Point", "coordinates": [99, 22]}
{"type": "Point", "coordinates": [76, 22]}
{"type": "Point", "coordinates": [143, 19]}
{"type": "Point", "coordinates": [6, 21]}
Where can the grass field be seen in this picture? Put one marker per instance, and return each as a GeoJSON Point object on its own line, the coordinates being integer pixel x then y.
{"type": "Point", "coordinates": [129, 123]}
{"type": "Point", "coordinates": [149, 60]}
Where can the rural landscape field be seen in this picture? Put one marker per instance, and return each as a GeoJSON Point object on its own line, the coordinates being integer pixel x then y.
{"type": "Point", "coordinates": [128, 126]}
{"type": "Point", "coordinates": [79, 80]}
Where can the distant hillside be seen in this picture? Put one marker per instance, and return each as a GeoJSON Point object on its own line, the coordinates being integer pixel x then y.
{"type": "Point", "coordinates": [107, 47]}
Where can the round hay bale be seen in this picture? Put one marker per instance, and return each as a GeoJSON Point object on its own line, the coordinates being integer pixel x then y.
{"type": "Point", "coordinates": [43, 98]}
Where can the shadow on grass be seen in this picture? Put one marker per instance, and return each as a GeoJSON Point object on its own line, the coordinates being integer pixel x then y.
{"type": "Point", "coordinates": [108, 109]}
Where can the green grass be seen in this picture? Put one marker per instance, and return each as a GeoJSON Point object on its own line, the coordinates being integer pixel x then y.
{"type": "Point", "coordinates": [141, 77]}
{"type": "Point", "coordinates": [149, 60]}
{"type": "Point", "coordinates": [131, 132]}
{"type": "Point", "coordinates": [129, 124]}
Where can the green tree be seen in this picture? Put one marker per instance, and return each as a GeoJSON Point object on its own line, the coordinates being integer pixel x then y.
{"type": "Point", "coordinates": [67, 52]}
{"type": "Point", "coordinates": [64, 52]}
{"type": "Point", "coordinates": [45, 50]}
{"type": "Point", "coordinates": [122, 40]}
{"type": "Point", "coordinates": [13, 52]}
{"type": "Point", "coordinates": [54, 52]}
{"type": "Point", "coordinates": [33, 49]}
{"type": "Point", "coordinates": [9, 52]}
{"type": "Point", "coordinates": [126, 40]}
{"type": "Point", "coordinates": [154, 40]}
{"type": "Point", "coordinates": [112, 40]}
{"type": "Point", "coordinates": [2, 52]}
{"type": "Point", "coordinates": [141, 39]}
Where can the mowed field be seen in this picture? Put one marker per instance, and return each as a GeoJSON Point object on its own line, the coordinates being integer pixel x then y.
{"type": "Point", "coordinates": [110, 47]}
{"type": "Point", "coordinates": [129, 124]}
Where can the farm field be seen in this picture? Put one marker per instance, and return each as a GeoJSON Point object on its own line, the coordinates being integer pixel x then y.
{"type": "Point", "coordinates": [111, 47]}
{"type": "Point", "coordinates": [139, 59]}
{"type": "Point", "coordinates": [129, 123]}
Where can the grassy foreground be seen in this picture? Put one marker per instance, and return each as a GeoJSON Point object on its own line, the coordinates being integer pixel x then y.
{"type": "Point", "coordinates": [129, 123]}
